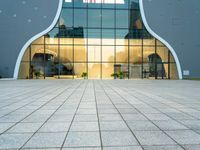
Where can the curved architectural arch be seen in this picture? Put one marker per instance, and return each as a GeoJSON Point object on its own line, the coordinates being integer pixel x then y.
{"type": "Point", "coordinates": [20, 56]}
{"type": "Point", "coordinates": [135, 32]}
{"type": "Point", "coordinates": [160, 39]}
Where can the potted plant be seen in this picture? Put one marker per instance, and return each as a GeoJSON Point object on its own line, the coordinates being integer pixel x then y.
{"type": "Point", "coordinates": [121, 75]}
{"type": "Point", "coordinates": [37, 74]}
{"type": "Point", "coordinates": [115, 75]}
{"type": "Point", "coordinates": [84, 75]}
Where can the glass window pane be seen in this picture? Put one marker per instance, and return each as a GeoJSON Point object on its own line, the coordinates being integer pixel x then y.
{"type": "Point", "coordinates": [66, 70]}
{"type": "Point", "coordinates": [159, 43]}
{"type": "Point", "coordinates": [66, 18]}
{"type": "Point", "coordinates": [80, 17]}
{"type": "Point", "coordinates": [94, 53]}
{"type": "Point", "coordinates": [121, 37]}
{"type": "Point", "coordinates": [52, 37]}
{"type": "Point", "coordinates": [26, 56]}
{"type": "Point", "coordinates": [135, 20]}
{"type": "Point", "coordinates": [108, 19]}
{"type": "Point", "coordinates": [39, 40]}
{"type": "Point", "coordinates": [108, 53]}
{"type": "Point", "coordinates": [121, 53]}
{"type": "Point", "coordinates": [122, 19]}
{"type": "Point", "coordinates": [66, 53]}
{"type": "Point", "coordinates": [79, 68]}
{"type": "Point", "coordinates": [68, 3]}
{"type": "Point", "coordinates": [79, 3]}
{"type": "Point", "coordinates": [37, 49]}
{"type": "Point", "coordinates": [149, 42]}
{"type": "Point", "coordinates": [24, 71]}
{"type": "Point", "coordinates": [135, 55]}
{"type": "Point", "coordinates": [135, 42]}
{"type": "Point", "coordinates": [172, 58]}
{"type": "Point", "coordinates": [94, 36]}
{"type": "Point", "coordinates": [80, 53]}
{"type": "Point", "coordinates": [173, 71]}
{"type": "Point", "coordinates": [148, 52]}
{"type": "Point", "coordinates": [163, 53]}
{"type": "Point", "coordinates": [134, 4]}
{"type": "Point", "coordinates": [122, 4]}
{"type": "Point", "coordinates": [108, 37]}
{"type": "Point", "coordinates": [135, 71]}
{"type": "Point", "coordinates": [108, 3]}
{"type": "Point", "coordinates": [92, 4]}
{"type": "Point", "coordinates": [94, 18]}
{"type": "Point", "coordinates": [81, 37]}
{"type": "Point", "coordinates": [107, 70]}
{"type": "Point", "coordinates": [94, 70]}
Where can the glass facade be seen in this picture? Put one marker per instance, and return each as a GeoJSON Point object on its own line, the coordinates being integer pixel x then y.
{"type": "Point", "coordinates": [105, 39]}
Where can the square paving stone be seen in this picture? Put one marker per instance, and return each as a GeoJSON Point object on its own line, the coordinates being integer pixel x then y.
{"type": "Point", "coordinates": [13, 140]}
{"type": "Point", "coordinates": [192, 124]}
{"type": "Point", "coordinates": [163, 147]}
{"type": "Point", "coordinates": [142, 125]}
{"type": "Point", "coordinates": [82, 139]}
{"type": "Point", "coordinates": [123, 148]}
{"type": "Point", "coordinates": [116, 138]}
{"type": "Point", "coordinates": [5, 126]}
{"type": "Point", "coordinates": [61, 118]}
{"type": "Point", "coordinates": [84, 126]}
{"type": "Point", "coordinates": [83, 118]}
{"type": "Point", "coordinates": [153, 138]}
{"type": "Point", "coordinates": [83, 148]}
{"type": "Point", "coordinates": [192, 147]}
{"type": "Point", "coordinates": [113, 126]}
{"type": "Point", "coordinates": [133, 117]}
{"type": "Point", "coordinates": [169, 125]}
{"type": "Point", "coordinates": [46, 140]}
{"type": "Point", "coordinates": [185, 136]}
{"type": "Point", "coordinates": [157, 117]}
{"type": "Point", "coordinates": [25, 127]}
{"type": "Point", "coordinates": [55, 127]}
{"type": "Point", "coordinates": [110, 117]}
{"type": "Point", "coordinates": [180, 116]}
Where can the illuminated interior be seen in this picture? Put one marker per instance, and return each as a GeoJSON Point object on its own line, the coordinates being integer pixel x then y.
{"type": "Point", "coordinates": [93, 40]}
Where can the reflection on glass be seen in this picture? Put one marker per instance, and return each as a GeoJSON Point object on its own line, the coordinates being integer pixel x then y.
{"type": "Point", "coordinates": [135, 55]}
{"type": "Point", "coordinates": [24, 70]}
{"type": "Point", "coordinates": [94, 53]}
{"type": "Point", "coordinates": [66, 18]}
{"type": "Point", "coordinates": [51, 37]}
{"type": "Point", "coordinates": [80, 18]}
{"type": "Point", "coordinates": [122, 53]}
{"type": "Point", "coordinates": [122, 19]}
{"type": "Point", "coordinates": [98, 37]}
{"type": "Point", "coordinates": [94, 37]}
{"type": "Point", "coordinates": [163, 53]}
{"type": "Point", "coordinates": [94, 71]}
{"type": "Point", "coordinates": [26, 56]}
{"type": "Point", "coordinates": [108, 18]}
{"type": "Point", "coordinates": [79, 3]}
{"type": "Point", "coordinates": [95, 16]}
{"type": "Point", "coordinates": [79, 68]}
{"type": "Point", "coordinates": [107, 70]}
{"type": "Point", "coordinates": [108, 53]}
{"type": "Point", "coordinates": [80, 53]}
{"type": "Point", "coordinates": [66, 53]}
{"type": "Point", "coordinates": [108, 37]}
{"type": "Point", "coordinates": [121, 37]}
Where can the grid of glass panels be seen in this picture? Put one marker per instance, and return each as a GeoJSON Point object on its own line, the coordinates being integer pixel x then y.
{"type": "Point", "coordinates": [102, 39]}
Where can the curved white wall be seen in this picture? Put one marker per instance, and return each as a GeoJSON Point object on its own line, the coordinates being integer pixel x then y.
{"type": "Point", "coordinates": [20, 56]}
{"type": "Point", "coordinates": [160, 39]}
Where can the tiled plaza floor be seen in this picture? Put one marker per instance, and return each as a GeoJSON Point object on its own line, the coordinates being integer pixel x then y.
{"type": "Point", "coordinates": [96, 115]}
